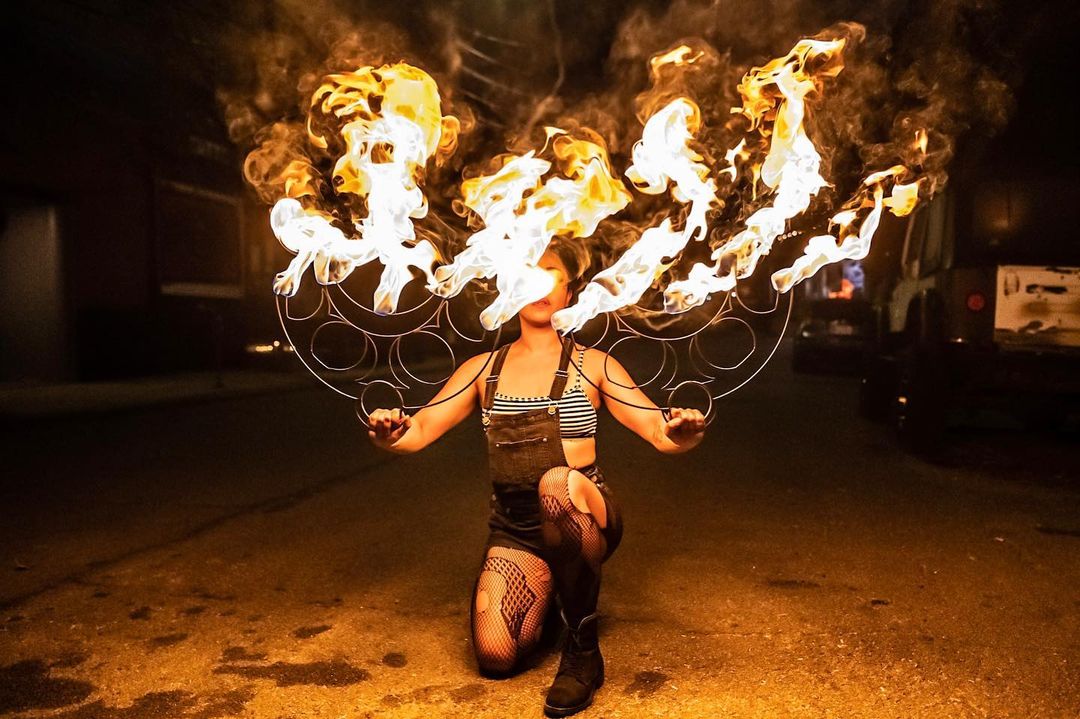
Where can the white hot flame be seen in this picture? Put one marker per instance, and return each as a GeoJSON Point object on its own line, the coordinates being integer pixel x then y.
{"type": "Point", "coordinates": [661, 158]}
{"type": "Point", "coordinates": [509, 245]}
{"type": "Point", "coordinates": [791, 169]}
{"type": "Point", "coordinates": [387, 150]}
{"type": "Point", "coordinates": [517, 229]}
{"type": "Point", "coordinates": [390, 125]}
{"type": "Point", "coordinates": [823, 250]}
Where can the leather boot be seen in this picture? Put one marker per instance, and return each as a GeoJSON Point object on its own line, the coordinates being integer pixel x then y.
{"type": "Point", "coordinates": [581, 670]}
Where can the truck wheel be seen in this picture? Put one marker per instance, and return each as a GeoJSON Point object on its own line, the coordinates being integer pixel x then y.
{"type": "Point", "coordinates": [921, 405]}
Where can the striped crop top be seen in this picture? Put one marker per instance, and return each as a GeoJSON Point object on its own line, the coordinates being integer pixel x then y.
{"type": "Point", "coordinates": [577, 416]}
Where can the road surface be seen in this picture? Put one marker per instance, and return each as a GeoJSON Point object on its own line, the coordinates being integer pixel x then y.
{"type": "Point", "coordinates": [256, 558]}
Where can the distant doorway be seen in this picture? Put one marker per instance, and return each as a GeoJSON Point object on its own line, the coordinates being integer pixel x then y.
{"type": "Point", "coordinates": [33, 323]}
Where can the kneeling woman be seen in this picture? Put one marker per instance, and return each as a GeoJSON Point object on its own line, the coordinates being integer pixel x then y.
{"type": "Point", "coordinates": [553, 520]}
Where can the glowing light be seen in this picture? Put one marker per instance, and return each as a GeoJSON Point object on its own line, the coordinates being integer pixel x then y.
{"type": "Point", "coordinates": [519, 226]}
{"type": "Point", "coordinates": [662, 158]}
{"type": "Point", "coordinates": [393, 126]}
{"type": "Point", "coordinates": [790, 170]}
{"type": "Point", "coordinates": [386, 124]}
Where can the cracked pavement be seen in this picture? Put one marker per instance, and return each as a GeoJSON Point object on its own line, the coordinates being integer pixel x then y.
{"type": "Point", "coordinates": [257, 558]}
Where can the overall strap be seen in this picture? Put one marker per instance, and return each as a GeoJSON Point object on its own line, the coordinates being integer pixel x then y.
{"type": "Point", "coordinates": [559, 383]}
{"type": "Point", "coordinates": [492, 381]}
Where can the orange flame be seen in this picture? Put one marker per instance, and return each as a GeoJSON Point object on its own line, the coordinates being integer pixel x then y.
{"type": "Point", "coordinates": [393, 125]}
{"type": "Point", "coordinates": [518, 228]}
{"type": "Point", "coordinates": [662, 157]}
{"type": "Point", "coordinates": [386, 124]}
{"type": "Point", "coordinates": [823, 250]}
{"type": "Point", "coordinates": [790, 170]}
{"type": "Point", "coordinates": [298, 178]}
{"type": "Point", "coordinates": [681, 55]}
{"type": "Point", "coordinates": [921, 141]}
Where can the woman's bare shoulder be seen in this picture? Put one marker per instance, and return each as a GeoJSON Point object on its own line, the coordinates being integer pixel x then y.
{"type": "Point", "coordinates": [593, 360]}
{"type": "Point", "coordinates": [600, 365]}
{"type": "Point", "coordinates": [478, 366]}
{"type": "Point", "coordinates": [592, 354]}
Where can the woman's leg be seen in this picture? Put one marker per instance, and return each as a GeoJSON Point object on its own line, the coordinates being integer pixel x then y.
{"type": "Point", "coordinates": [509, 605]}
{"type": "Point", "coordinates": [573, 519]}
{"type": "Point", "coordinates": [576, 547]}
{"type": "Point", "coordinates": [595, 499]}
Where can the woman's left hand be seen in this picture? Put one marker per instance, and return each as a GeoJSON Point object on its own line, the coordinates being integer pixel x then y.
{"type": "Point", "coordinates": [685, 427]}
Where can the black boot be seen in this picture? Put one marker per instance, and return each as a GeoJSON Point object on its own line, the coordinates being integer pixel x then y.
{"type": "Point", "coordinates": [581, 670]}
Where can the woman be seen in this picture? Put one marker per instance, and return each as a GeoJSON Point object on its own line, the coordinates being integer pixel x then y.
{"type": "Point", "coordinates": [553, 520]}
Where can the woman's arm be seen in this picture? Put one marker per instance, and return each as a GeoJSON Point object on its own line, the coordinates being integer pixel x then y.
{"type": "Point", "coordinates": [684, 430]}
{"type": "Point", "coordinates": [395, 431]}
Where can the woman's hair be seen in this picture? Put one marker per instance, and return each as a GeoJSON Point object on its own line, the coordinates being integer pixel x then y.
{"type": "Point", "coordinates": [572, 253]}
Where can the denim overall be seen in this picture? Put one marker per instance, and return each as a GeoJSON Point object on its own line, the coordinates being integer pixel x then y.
{"type": "Point", "coordinates": [521, 448]}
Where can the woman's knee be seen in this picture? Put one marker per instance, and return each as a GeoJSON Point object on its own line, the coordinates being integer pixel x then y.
{"type": "Point", "coordinates": [493, 643]}
{"type": "Point", "coordinates": [493, 660]}
{"type": "Point", "coordinates": [563, 489]}
{"type": "Point", "coordinates": [510, 600]}
{"type": "Point", "coordinates": [555, 483]}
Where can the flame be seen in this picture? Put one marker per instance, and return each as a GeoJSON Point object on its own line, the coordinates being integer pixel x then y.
{"type": "Point", "coordinates": [298, 177]}
{"type": "Point", "coordinates": [920, 141]}
{"type": "Point", "coordinates": [904, 198]}
{"type": "Point", "coordinates": [661, 158]}
{"type": "Point", "coordinates": [823, 250]}
{"type": "Point", "coordinates": [790, 170]}
{"type": "Point", "coordinates": [381, 127]}
{"type": "Point", "coordinates": [844, 218]}
{"type": "Point", "coordinates": [736, 153]}
{"type": "Point", "coordinates": [518, 228]}
{"type": "Point", "coordinates": [393, 125]}
{"type": "Point", "coordinates": [681, 55]}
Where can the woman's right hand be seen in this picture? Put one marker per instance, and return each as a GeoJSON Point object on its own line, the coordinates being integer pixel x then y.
{"type": "Point", "coordinates": [386, 426]}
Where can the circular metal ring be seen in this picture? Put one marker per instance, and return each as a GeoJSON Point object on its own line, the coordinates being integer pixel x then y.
{"type": "Point", "coordinates": [395, 352]}
{"type": "Point", "coordinates": [369, 310]}
{"type": "Point", "coordinates": [335, 311]}
{"type": "Point", "coordinates": [695, 346]}
{"type": "Point", "coordinates": [362, 411]}
{"type": "Point", "coordinates": [322, 301]}
{"type": "Point", "coordinates": [700, 385]}
{"type": "Point", "coordinates": [330, 323]}
{"type": "Point", "coordinates": [636, 385]}
{"type": "Point", "coordinates": [779, 338]}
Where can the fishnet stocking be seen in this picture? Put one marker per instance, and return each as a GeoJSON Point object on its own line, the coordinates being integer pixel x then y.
{"type": "Point", "coordinates": [576, 546]}
{"type": "Point", "coordinates": [570, 533]}
{"type": "Point", "coordinates": [512, 596]}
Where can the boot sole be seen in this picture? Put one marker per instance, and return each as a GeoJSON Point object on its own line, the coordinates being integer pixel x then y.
{"type": "Point", "coordinates": [551, 711]}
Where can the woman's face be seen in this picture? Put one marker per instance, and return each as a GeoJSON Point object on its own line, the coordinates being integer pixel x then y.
{"type": "Point", "coordinates": [539, 312]}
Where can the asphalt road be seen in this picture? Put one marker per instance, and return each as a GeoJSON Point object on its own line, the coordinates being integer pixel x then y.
{"type": "Point", "coordinates": [256, 558]}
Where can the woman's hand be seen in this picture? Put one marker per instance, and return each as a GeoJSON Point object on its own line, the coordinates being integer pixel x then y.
{"type": "Point", "coordinates": [386, 426]}
{"type": "Point", "coordinates": [685, 427]}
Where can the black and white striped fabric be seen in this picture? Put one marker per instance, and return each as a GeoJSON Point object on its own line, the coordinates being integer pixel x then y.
{"type": "Point", "coordinates": [577, 416]}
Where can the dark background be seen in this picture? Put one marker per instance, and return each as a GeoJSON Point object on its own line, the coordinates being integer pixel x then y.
{"type": "Point", "coordinates": [179, 547]}
{"type": "Point", "coordinates": [159, 259]}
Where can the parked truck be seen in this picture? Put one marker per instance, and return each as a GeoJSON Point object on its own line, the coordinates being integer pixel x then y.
{"type": "Point", "coordinates": [986, 310]}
